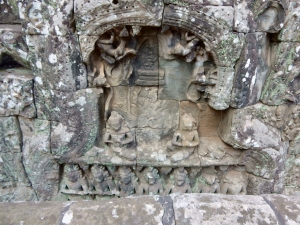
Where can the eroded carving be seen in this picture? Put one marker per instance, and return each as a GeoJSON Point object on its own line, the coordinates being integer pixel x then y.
{"type": "Point", "coordinates": [185, 140]}
{"type": "Point", "coordinates": [119, 137]}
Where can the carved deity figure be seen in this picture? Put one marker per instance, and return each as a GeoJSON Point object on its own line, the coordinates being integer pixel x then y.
{"type": "Point", "coordinates": [208, 182]}
{"type": "Point", "coordinates": [184, 141]}
{"type": "Point", "coordinates": [74, 182]}
{"type": "Point", "coordinates": [111, 54]}
{"type": "Point", "coordinates": [119, 137]}
{"type": "Point", "coordinates": [181, 183]}
{"type": "Point", "coordinates": [153, 185]}
{"type": "Point", "coordinates": [101, 183]}
{"type": "Point", "coordinates": [234, 182]}
{"type": "Point", "coordinates": [126, 185]}
{"type": "Point", "coordinates": [186, 46]}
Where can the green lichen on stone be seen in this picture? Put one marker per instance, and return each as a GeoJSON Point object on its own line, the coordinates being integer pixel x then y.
{"type": "Point", "coordinates": [229, 49]}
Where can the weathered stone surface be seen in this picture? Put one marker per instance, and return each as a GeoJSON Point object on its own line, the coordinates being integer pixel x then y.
{"type": "Point", "coordinates": [42, 170]}
{"type": "Point", "coordinates": [12, 42]}
{"type": "Point", "coordinates": [15, 185]}
{"type": "Point", "coordinates": [251, 71]}
{"type": "Point", "coordinates": [292, 172]}
{"type": "Point", "coordinates": [220, 209]}
{"type": "Point", "coordinates": [46, 17]}
{"type": "Point", "coordinates": [213, 151]}
{"type": "Point", "coordinates": [219, 95]}
{"type": "Point", "coordinates": [56, 62]}
{"type": "Point", "coordinates": [261, 15]}
{"type": "Point", "coordinates": [75, 122]}
{"type": "Point", "coordinates": [201, 2]}
{"type": "Point", "coordinates": [113, 14]}
{"type": "Point", "coordinates": [290, 30]}
{"type": "Point", "coordinates": [152, 149]}
{"type": "Point", "coordinates": [203, 25]}
{"type": "Point", "coordinates": [10, 12]}
{"type": "Point", "coordinates": [155, 113]}
{"type": "Point", "coordinates": [148, 210]}
{"type": "Point", "coordinates": [245, 129]}
{"type": "Point", "coordinates": [284, 208]}
{"type": "Point", "coordinates": [282, 84]}
{"type": "Point", "coordinates": [16, 96]}
{"type": "Point", "coordinates": [74, 109]}
{"type": "Point", "coordinates": [177, 77]}
{"type": "Point", "coordinates": [188, 209]}
{"type": "Point", "coordinates": [136, 104]}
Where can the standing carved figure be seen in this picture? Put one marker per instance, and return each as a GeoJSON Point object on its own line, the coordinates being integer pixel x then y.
{"type": "Point", "coordinates": [74, 182]}
{"type": "Point", "coordinates": [101, 183]}
{"type": "Point", "coordinates": [153, 185]}
{"type": "Point", "coordinates": [126, 185]}
{"type": "Point", "coordinates": [208, 182]}
{"type": "Point", "coordinates": [119, 137]}
{"type": "Point", "coordinates": [181, 183]}
{"type": "Point", "coordinates": [234, 182]}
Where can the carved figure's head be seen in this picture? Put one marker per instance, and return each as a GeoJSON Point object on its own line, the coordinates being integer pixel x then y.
{"type": "Point", "coordinates": [152, 175]}
{"type": "Point", "coordinates": [125, 174]}
{"type": "Point", "coordinates": [99, 173]}
{"type": "Point", "coordinates": [115, 121]}
{"type": "Point", "coordinates": [180, 176]}
{"type": "Point", "coordinates": [188, 122]}
{"type": "Point", "coordinates": [73, 173]}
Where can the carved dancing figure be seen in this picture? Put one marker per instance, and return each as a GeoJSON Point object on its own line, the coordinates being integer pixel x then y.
{"type": "Point", "coordinates": [119, 137]}
{"type": "Point", "coordinates": [208, 182]}
{"type": "Point", "coordinates": [234, 182]}
{"type": "Point", "coordinates": [111, 54]}
{"type": "Point", "coordinates": [184, 141]}
{"type": "Point", "coordinates": [101, 183]}
{"type": "Point", "coordinates": [153, 185]}
{"type": "Point", "coordinates": [186, 46]}
{"type": "Point", "coordinates": [181, 183]}
{"type": "Point", "coordinates": [74, 182]}
{"type": "Point", "coordinates": [127, 183]}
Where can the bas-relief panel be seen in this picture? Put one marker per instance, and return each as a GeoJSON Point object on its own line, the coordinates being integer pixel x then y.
{"type": "Point", "coordinates": [160, 134]}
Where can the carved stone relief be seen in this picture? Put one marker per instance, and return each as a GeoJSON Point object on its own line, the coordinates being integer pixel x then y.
{"type": "Point", "coordinates": [155, 97]}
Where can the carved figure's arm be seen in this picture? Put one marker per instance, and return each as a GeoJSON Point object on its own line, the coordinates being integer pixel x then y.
{"type": "Point", "coordinates": [128, 138]}
{"type": "Point", "coordinates": [177, 139]}
{"type": "Point", "coordinates": [195, 140]}
{"type": "Point", "coordinates": [107, 137]}
{"type": "Point", "coordinates": [224, 188]}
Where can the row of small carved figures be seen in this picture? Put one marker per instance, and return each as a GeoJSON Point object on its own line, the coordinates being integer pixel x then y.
{"type": "Point", "coordinates": [97, 180]}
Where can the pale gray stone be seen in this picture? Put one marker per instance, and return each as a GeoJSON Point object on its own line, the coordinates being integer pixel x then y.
{"type": "Point", "coordinates": [46, 17]}
{"type": "Point", "coordinates": [245, 129]}
{"type": "Point", "coordinates": [16, 96]}
{"type": "Point", "coordinates": [215, 209]}
{"type": "Point", "coordinates": [42, 169]}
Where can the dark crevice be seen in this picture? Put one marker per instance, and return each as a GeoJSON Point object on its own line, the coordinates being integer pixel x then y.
{"type": "Point", "coordinates": [280, 218]}
{"type": "Point", "coordinates": [22, 159]}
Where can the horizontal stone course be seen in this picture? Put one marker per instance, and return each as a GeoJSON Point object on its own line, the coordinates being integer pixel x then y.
{"type": "Point", "coordinates": [177, 209]}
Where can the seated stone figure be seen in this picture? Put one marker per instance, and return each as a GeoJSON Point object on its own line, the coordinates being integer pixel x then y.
{"type": "Point", "coordinates": [153, 185]}
{"type": "Point", "coordinates": [119, 137]}
{"type": "Point", "coordinates": [74, 182]}
{"type": "Point", "coordinates": [208, 182]}
{"type": "Point", "coordinates": [101, 182]}
{"type": "Point", "coordinates": [184, 141]}
{"type": "Point", "coordinates": [235, 182]}
{"type": "Point", "coordinates": [126, 185]}
{"type": "Point", "coordinates": [181, 184]}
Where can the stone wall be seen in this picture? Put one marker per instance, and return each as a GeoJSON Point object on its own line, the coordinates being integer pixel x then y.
{"type": "Point", "coordinates": [132, 97]}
